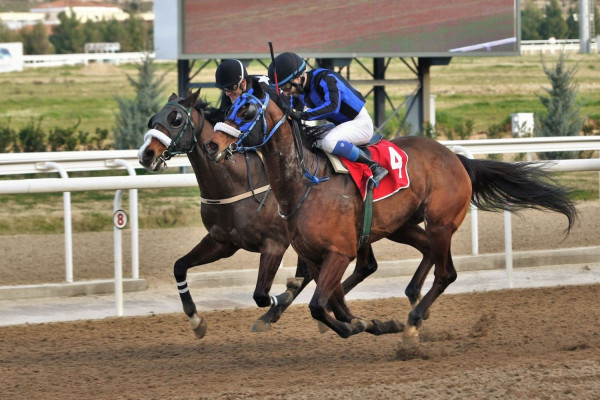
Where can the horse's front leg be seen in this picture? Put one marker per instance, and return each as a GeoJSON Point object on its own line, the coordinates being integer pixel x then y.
{"type": "Point", "coordinates": [207, 251]}
{"type": "Point", "coordinates": [366, 264]}
{"type": "Point", "coordinates": [329, 287]}
{"type": "Point", "coordinates": [270, 260]}
{"type": "Point", "coordinates": [294, 285]}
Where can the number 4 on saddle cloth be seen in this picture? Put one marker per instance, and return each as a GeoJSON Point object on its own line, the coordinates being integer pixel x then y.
{"type": "Point", "coordinates": [389, 156]}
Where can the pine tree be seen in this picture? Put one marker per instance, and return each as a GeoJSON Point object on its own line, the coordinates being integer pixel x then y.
{"type": "Point", "coordinates": [562, 111]}
{"type": "Point", "coordinates": [36, 41]}
{"type": "Point", "coordinates": [67, 36]}
{"type": "Point", "coordinates": [553, 24]}
{"type": "Point", "coordinates": [132, 120]}
{"type": "Point", "coordinates": [531, 20]}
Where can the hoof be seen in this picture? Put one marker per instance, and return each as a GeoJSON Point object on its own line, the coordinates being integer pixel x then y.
{"type": "Point", "coordinates": [199, 326]}
{"type": "Point", "coordinates": [381, 328]}
{"type": "Point", "coordinates": [260, 326]}
{"type": "Point", "coordinates": [410, 338]}
{"type": "Point", "coordinates": [322, 327]}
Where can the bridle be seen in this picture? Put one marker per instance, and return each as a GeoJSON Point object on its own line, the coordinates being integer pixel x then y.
{"type": "Point", "coordinates": [173, 149]}
{"type": "Point", "coordinates": [253, 117]}
{"type": "Point", "coordinates": [173, 145]}
{"type": "Point", "coordinates": [255, 112]}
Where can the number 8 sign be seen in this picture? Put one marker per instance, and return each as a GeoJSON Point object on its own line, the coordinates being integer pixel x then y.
{"type": "Point", "coordinates": [120, 219]}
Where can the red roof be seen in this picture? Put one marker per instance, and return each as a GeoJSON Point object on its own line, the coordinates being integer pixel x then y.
{"type": "Point", "coordinates": [72, 3]}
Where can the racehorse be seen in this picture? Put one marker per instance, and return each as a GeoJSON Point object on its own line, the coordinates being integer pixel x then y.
{"type": "Point", "coordinates": [324, 218]}
{"type": "Point", "coordinates": [236, 209]}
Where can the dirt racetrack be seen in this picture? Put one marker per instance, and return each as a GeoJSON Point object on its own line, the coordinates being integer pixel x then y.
{"type": "Point", "coordinates": [522, 344]}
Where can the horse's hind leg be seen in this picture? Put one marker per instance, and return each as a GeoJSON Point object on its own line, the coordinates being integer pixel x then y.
{"type": "Point", "coordinates": [444, 275]}
{"type": "Point", "coordinates": [207, 251]}
{"type": "Point", "coordinates": [415, 236]}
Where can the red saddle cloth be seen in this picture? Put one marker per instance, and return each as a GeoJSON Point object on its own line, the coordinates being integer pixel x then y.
{"type": "Point", "coordinates": [392, 158]}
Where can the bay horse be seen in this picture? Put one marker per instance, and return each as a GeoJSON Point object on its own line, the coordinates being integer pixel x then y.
{"type": "Point", "coordinates": [236, 209]}
{"type": "Point", "coordinates": [325, 218]}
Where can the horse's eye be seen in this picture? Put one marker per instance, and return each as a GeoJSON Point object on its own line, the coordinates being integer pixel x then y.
{"type": "Point", "coordinates": [250, 113]}
{"type": "Point", "coordinates": [178, 120]}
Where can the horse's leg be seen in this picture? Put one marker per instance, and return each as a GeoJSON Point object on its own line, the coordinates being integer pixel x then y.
{"type": "Point", "coordinates": [415, 236]}
{"type": "Point", "coordinates": [366, 264]}
{"type": "Point", "coordinates": [268, 266]}
{"type": "Point", "coordinates": [294, 287]}
{"type": "Point", "coordinates": [207, 251]}
{"type": "Point", "coordinates": [328, 283]}
{"type": "Point", "coordinates": [444, 275]}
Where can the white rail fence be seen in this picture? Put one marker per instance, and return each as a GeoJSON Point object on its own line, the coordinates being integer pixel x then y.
{"type": "Point", "coordinates": [528, 47]}
{"type": "Point", "coordinates": [551, 46]}
{"type": "Point", "coordinates": [64, 162]}
{"type": "Point", "coordinates": [58, 60]}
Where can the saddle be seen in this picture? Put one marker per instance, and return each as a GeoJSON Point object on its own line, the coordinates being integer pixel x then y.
{"type": "Point", "coordinates": [316, 132]}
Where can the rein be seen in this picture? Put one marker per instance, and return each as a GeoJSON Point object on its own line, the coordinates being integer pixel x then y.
{"type": "Point", "coordinates": [313, 180]}
{"type": "Point", "coordinates": [171, 151]}
{"type": "Point", "coordinates": [246, 126]}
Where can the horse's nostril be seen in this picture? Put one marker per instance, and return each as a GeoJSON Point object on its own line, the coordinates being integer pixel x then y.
{"type": "Point", "coordinates": [148, 155]}
{"type": "Point", "coordinates": [210, 148]}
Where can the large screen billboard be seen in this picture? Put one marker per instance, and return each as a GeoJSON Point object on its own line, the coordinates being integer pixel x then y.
{"type": "Point", "coordinates": [338, 29]}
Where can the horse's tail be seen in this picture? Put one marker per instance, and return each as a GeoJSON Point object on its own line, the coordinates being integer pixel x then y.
{"type": "Point", "coordinates": [517, 186]}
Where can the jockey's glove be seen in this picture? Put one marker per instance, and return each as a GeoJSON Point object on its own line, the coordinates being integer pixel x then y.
{"type": "Point", "coordinates": [297, 115]}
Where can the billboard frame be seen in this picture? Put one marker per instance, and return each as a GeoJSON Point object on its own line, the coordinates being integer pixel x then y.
{"type": "Point", "coordinates": [169, 29]}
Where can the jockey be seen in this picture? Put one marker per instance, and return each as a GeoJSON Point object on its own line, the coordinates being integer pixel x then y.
{"type": "Point", "coordinates": [328, 96]}
{"type": "Point", "coordinates": [233, 79]}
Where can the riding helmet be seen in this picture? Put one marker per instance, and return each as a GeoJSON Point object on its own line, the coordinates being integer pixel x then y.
{"type": "Point", "coordinates": [289, 65]}
{"type": "Point", "coordinates": [230, 72]}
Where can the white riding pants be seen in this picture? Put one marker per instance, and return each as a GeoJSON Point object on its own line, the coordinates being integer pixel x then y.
{"type": "Point", "coordinates": [358, 131]}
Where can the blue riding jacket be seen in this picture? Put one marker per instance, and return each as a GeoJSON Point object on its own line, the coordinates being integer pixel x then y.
{"type": "Point", "coordinates": [327, 95]}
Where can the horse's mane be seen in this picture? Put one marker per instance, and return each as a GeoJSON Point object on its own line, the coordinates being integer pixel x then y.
{"type": "Point", "coordinates": [276, 97]}
{"type": "Point", "coordinates": [211, 113]}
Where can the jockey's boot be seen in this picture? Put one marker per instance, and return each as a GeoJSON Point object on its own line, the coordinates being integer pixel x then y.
{"type": "Point", "coordinates": [378, 171]}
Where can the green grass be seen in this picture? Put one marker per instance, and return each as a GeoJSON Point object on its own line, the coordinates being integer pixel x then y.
{"type": "Point", "coordinates": [486, 90]}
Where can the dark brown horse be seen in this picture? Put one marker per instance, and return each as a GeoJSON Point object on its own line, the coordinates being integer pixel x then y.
{"type": "Point", "coordinates": [325, 219]}
{"type": "Point", "coordinates": [236, 209]}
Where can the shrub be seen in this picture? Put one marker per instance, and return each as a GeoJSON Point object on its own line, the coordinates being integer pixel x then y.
{"type": "Point", "coordinates": [8, 136]}
{"type": "Point", "coordinates": [562, 112]}
{"type": "Point", "coordinates": [31, 138]}
{"type": "Point", "coordinates": [63, 139]}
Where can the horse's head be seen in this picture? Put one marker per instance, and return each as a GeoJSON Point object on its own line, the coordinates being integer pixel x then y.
{"type": "Point", "coordinates": [173, 130]}
{"type": "Point", "coordinates": [249, 124]}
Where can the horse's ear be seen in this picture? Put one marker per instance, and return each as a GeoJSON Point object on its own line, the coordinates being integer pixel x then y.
{"type": "Point", "coordinates": [258, 89]}
{"type": "Point", "coordinates": [172, 97]}
{"type": "Point", "coordinates": [192, 98]}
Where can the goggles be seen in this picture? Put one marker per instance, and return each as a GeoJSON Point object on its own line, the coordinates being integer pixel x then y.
{"type": "Point", "coordinates": [232, 88]}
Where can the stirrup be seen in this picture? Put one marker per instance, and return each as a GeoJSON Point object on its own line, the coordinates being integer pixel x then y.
{"type": "Point", "coordinates": [378, 172]}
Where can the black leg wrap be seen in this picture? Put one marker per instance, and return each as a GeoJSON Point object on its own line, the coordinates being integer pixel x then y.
{"type": "Point", "coordinates": [284, 299]}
